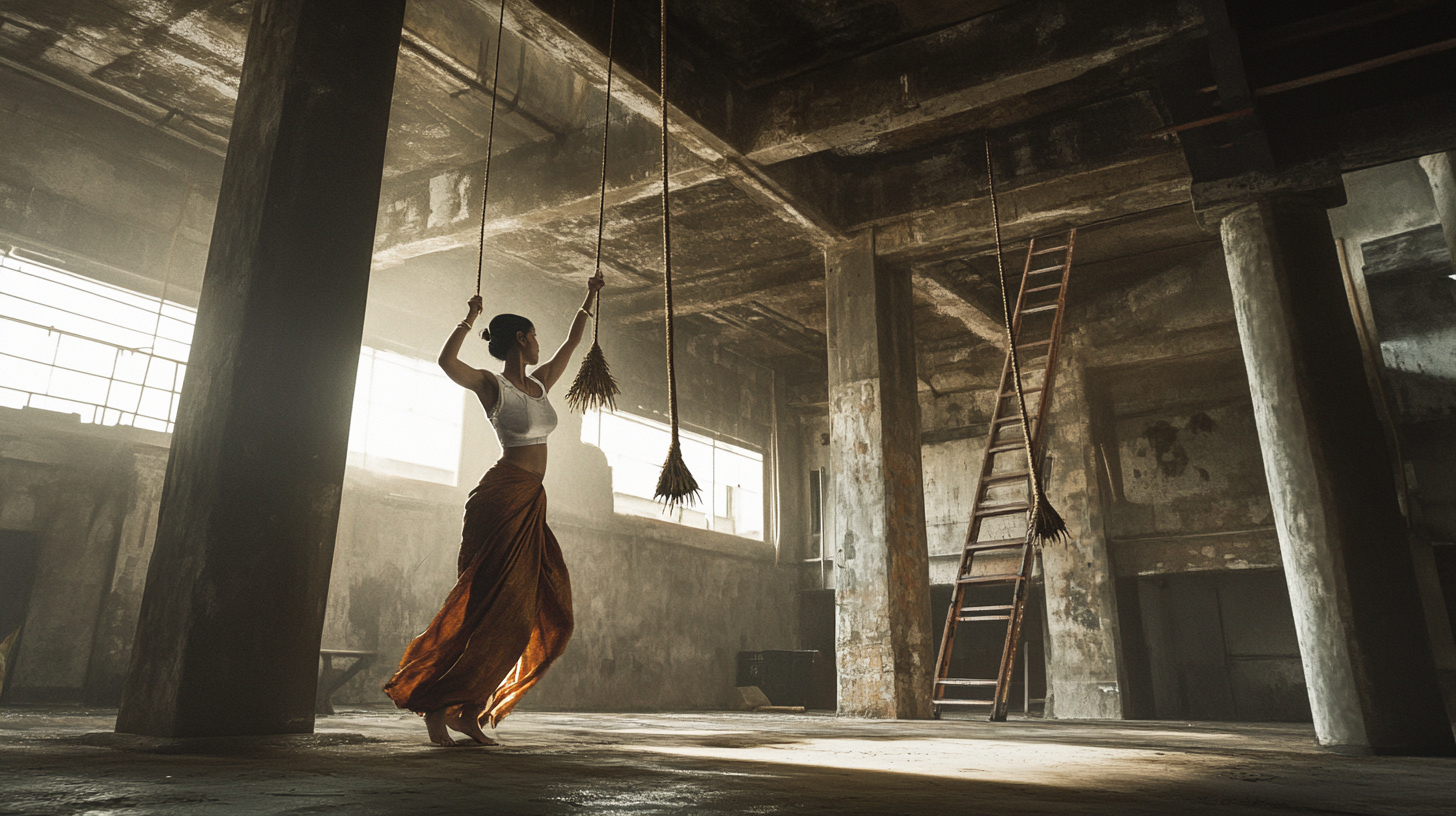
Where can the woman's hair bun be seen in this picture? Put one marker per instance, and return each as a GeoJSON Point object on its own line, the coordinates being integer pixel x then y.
{"type": "Point", "coordinates": [485, 335]}
{"type": "Point", "coordinates": [502, 333]}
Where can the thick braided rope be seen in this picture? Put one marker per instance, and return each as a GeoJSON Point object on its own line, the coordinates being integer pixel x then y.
{"type": "Point", "coordinates": [667, 239]}
{"type": "Point", "coordinates": [489, 144]}
{"type": "Point", "coordinates": [1034, 477]}
{"type": "Point", "coordinates": [606, 129]}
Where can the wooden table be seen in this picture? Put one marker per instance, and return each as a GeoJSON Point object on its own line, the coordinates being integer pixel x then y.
{"type": "Point", "coordinates": [332, 679]}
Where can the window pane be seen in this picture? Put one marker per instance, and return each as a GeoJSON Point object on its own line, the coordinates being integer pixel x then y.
{"type": "Point", "coordinates": [407, 417]}
{"type": "Point", "coordinates": [156, 404]}
{"type": "Point", "coordinates": [124, 396]}
{"type": "Point", "coordinates": [98, 317]}
{"type": "Point", "coordinates": [71, 385]}
{"type": "Point", "coordinates": [131, 367]}
{"type": "Point", "coordinates": [730, 478]}
{"type": "Point", "coordinates": [85, 355]}
{"type": "Point", "coordinates": [24, 375]}
{"type": "Point", "coordinates": [11, 398]}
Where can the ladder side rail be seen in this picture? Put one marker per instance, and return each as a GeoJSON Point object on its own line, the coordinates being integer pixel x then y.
{"type": "Point", "coordinates": [1008, 655]}
{"type": "Point", "coordinates": [1054, 349]}
{"type": "Point", "coordinates": [1021, 295]}
{"type": "Point", "coordinates": [973, 531]}
{"type": "Point", "coordinates": [1013, 633]}
{"type": "Point", "coordinates": [967, 559]}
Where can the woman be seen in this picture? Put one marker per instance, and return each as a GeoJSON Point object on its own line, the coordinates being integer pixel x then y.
{"type": "Point", "coordinates": [509, 616]}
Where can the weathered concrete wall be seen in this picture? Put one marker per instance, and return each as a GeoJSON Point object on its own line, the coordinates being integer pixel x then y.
{"type": "Point", "coordinates": [103, 191]}
{"type": "Point", "coordinates": [90, 495]}
{"type": "Point", "coordinates": [640, 584]}
{"type": "Point", "coordinates": [661, 610]}
{"type": "Point", "coordinates": [1128, 456]}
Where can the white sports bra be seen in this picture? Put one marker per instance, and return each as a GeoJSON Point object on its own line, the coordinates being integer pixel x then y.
{"type": "Point", "coordinates": [519, 418]}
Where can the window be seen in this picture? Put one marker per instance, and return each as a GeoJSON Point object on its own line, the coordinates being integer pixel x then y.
{"type": "Point", "coordinates": [816, 514]}
{"type": "Point", "coordinates": [76, 345]}
{"type": "Point", "coordinates": [731, 477]}
{"type": "Point", "coordinates": [407, 419]}
{"type": "Point", "coordinates": [116, 357]}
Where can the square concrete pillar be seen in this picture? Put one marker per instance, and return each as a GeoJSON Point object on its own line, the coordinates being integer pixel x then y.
{"type": "Point", "coordinates": [1347, 556]}
{"type": "Point", "coordinates": [228, 638]}
{"type": "Point", "coordinates": [883, 635]}
{"type": "Point", "coordinates": [1441, 170]}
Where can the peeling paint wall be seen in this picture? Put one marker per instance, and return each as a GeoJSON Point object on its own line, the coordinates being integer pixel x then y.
{"type": "Point", "coordinates": [89, 495]}
{"type": "Point", "coordinates": [1154, 462]}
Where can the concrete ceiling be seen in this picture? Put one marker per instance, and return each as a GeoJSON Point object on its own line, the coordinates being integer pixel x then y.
{"type": "Point", "coordinates": [794, 123]}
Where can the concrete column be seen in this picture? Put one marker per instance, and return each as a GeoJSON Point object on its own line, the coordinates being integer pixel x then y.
{"type": "Point", "coordinates": [883, 634]}
{"type": "Point", "coordinates": [1362, 635]}
{"type": "Point", "coordinates": [228, 638]}
{"type": "Point", "coordinates": [1084, 678]}
{"type": "Point", "coordinates": [1439, 169]}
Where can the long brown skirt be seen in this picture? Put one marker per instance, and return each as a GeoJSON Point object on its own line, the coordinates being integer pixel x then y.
{"type": "Point", "coordinates": [508, 617]}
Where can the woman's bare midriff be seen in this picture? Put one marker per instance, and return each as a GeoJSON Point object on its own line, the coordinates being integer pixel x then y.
{"type": "Point", "coordinates": [527, 457]}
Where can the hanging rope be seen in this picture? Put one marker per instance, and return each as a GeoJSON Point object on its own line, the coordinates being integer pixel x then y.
{"type": "Point", "coordinates": [676, 485]}
{"type": "Point", "coordinates": [594, 386]}
{"type": "Point", "coordinates": [1043, 523]}
{"type": "Point", "coordinates": [489, 145]}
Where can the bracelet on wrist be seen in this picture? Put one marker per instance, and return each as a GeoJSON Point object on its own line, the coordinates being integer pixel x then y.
{"type": "Point", "coordinates": [463, 325]}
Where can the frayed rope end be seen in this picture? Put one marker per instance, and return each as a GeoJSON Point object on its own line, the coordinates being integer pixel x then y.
{"type": "Point", "coordinates": [676, 486]}
{"type": "Point", "coordinates": [593, 386]}
{"type": "Point", "coordinates": [1046, 525]}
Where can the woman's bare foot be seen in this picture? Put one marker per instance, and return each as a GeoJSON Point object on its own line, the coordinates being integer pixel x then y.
{"type": "Point", "coordinates": [435, 723]}
{"type": "Point", "coordinates": [467, 722]}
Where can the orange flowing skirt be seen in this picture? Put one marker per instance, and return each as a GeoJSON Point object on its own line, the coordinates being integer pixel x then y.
{"type": "Point", "coordinates": [508, 617]}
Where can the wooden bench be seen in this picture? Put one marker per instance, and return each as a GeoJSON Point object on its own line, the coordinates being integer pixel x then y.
{"type": "Point", "coordinates": [331, 679]}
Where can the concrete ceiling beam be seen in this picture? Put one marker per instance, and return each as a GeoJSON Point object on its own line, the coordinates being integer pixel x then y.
{"type": "Point", "coordinates": [534, 186]}
{"type": "Point", "coordinates": [980, 63]}
{"type": "Point", "coordinates": [947, 302]}
{"type": "Point", "coordinates": [564, 30]}
{"type": "Point", "coordinates": [1079, 200]}
{"type": "Point", "coordinates": [719, 290]}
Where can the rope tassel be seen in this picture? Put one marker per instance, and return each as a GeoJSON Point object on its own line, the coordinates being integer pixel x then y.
{"type": "Point", "coordinates": [676, 486]}
{"type": "Point", "coordinates": [1044, 525]}
{"type": "Point", "coordinates": [594, 386]}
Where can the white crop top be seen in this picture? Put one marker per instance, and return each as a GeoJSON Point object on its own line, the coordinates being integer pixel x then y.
{"type": "Point", "coordinates": [519, 418]}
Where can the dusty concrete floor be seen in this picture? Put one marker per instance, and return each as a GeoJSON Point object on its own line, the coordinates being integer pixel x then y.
{"type": "Point", "coordinates": [60, 761]}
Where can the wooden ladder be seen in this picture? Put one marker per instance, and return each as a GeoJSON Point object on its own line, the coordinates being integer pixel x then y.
{"type": "Point", "coordinates": [999, 510]}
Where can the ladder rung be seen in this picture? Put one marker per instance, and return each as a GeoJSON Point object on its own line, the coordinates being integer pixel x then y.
{"type": "Point", "coordinates": [1002, 509]}
{"type": "Point", "coordinates": [1008, 446]}
{"type": "Point", "coordinates": [1003, 577]}
{"type": "Point", "coordinates": [975, 618]}
{"type": "Point", "coordinates": [1005, 394]}
{"type": "Point", "coordinates": [1007, 420]}
{"type": "Point", "coordinates": [964, 681]}
{"type": "Point", "coordinates": [1049, 250]}
{"type": "Point", "coordinates": [1045, 269]}
{"type": "Point", "coordinates": [1026, 371]}
{"type": "Point", "coordinates": [1005, 477]}
{"type": "Point", "coordinates": [965, 702]}
{"type": "Point", "coordinates": [1046, 288]}
{"type": "Point", "coordinates": [1001, 608]}
{"type": "Point", "coordinates": [1039, 309]}
{"type": "Point", "coordinates": [1045, 342]}
{"type": "Point", "coordinates": [996, 544]}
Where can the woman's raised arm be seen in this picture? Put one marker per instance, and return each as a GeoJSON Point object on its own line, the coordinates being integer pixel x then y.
{"type": "Point", "coordinates": [464, 375]}
{"type": "Point", "coordinates": [551, 370]}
